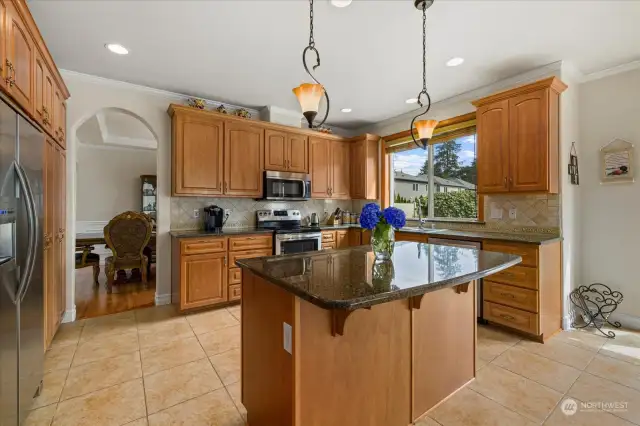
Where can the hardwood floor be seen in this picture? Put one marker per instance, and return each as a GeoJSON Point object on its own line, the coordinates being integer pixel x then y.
{"type": "Point", "coordinates": [94, 302]}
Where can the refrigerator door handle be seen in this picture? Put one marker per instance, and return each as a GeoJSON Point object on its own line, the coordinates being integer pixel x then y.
{"type": "Point", "coordinates": [32, 231]}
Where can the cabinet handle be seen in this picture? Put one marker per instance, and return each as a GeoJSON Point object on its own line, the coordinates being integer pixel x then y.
{"type": "Point", "coordinates": [511, 180]}
{"type": "Point", "coordinates": [505, 181]}
{"type": "Point", "coordinates": [508, 295]}
{"type": "Point", "coordinates": [225, 186]}
{"type": "Point", "coordinates": [220, 184]}
{"type": "Point", "coordinates": [507, 317]}
{"type": "Point", "coordinates": [225, 261]}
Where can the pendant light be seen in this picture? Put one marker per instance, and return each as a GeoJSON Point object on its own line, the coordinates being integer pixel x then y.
{"type": "Point", "coordinates": [423, 127]}
{"type": "Point", "coordinates": [310, 94]}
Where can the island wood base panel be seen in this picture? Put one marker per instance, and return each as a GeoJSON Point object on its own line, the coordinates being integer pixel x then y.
{"type": "Point", "coordinates": [393, 363]}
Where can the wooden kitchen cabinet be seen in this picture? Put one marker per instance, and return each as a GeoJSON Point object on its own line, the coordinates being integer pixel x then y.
{"type": "Point", "coordinates": [287, 152]}
{"type": "Point", "coordinates": [204, 280]}
{"type": "Point", "coordinates": [20, 58]}
{"type": "Point", "coordinates": [243, 159]}
{"type": "Point", "coordinates": [4, 70]}
{"type": "Point", "coordinates": [342, 238]}
{"type": "Point", "coordinates": [365, 167]}
{"type": "Point", "coordinates": [197, 155]}
{"type": "Point", "coordinates": [340, 170]}
{"type": "Point", "coordinates": [204, 273]}
{"type": "Point", "coordinates": [355, 237]}
{"type": "Point", "coordinates": [320, 167]}
{"type": "Point", "coordinates": [518, 139]}
{"type": "Point", "coordinates": [44, 95]}
{"type": "Point", "coordinates": [61, 113]}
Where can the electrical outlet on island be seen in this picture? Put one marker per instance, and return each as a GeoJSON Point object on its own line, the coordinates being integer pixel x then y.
{"type": "Point", "coordinates": [513, 213]}
{"type": "Point", "coordinates": [196, 213]}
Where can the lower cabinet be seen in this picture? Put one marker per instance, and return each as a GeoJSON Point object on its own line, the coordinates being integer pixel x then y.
{"type": "Point", "coordinates": [411, 236]}
{"type": "Point", "coordinates": [526, 297]}
{"type": "Point", "coordinates": [204, 271]}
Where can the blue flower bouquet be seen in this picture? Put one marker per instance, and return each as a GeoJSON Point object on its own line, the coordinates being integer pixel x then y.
{"type": "Point", "coordinates": [382, 223]}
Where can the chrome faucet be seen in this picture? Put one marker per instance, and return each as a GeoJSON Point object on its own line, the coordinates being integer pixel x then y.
{"type": "Point", "coordinates": [422, 220]}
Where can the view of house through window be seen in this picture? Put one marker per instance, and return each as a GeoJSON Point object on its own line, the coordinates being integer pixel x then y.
{"type": "Point", "coordinates": [453, 170]}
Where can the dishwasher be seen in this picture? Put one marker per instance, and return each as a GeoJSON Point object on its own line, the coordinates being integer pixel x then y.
{"type": "Point", "coordinates": [468, 244]}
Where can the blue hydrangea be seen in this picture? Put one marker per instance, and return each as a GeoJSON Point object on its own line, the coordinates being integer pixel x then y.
{"type": "Point", "coordinates": [370, 216]}
{"type": "Point", "coordinates": [394, 217]}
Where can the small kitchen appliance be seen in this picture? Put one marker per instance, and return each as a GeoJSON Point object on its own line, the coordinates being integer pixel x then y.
{"type": "Point", "coordinates": [314, 220]}
{"type": "Point", "coordinates": [284, 186]}
{"type": "Point", "coordinates": [214, 218]}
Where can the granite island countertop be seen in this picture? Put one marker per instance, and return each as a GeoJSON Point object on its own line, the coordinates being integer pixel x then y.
{"type": "Point", "coordinates": [198, 233]}
{"type": "Point", "coordinates": [350, 279]}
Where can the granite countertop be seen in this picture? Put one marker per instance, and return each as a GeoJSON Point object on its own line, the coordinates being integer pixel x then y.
{"type": "Point", "coordinates": [349, 278]}
{"type": "Point", "coordinates": [468, 234]}
{"type": "Point", "coordinates": [225, 232]}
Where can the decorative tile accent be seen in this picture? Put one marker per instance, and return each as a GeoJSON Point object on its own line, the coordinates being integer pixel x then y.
{"type": "Point", "coordinates": [533, 210]}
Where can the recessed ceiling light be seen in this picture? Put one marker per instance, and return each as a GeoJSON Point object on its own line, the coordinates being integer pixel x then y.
{"type": "Point", "coordinates": [412, 101]}
{"type": "Point", "coordinates": [454, 62]}
{"type": "Point", "coordinates": [117, 48]}
{"type": "Point", "coordinates": [341, 3]}
{"type": "Point", "coordinates": [346, 110]}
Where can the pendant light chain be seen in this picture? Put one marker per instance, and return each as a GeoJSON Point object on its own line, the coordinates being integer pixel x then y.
{"type": "Point", "coordinates": [312, 42]}
{"type": "Point", "coordinates": [424, 47]}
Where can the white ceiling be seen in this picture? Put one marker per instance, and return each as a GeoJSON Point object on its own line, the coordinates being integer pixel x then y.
{"type": "Point", "coordinates": [113, 128]}
{"type": "Point", "coordinates": [249, 52]}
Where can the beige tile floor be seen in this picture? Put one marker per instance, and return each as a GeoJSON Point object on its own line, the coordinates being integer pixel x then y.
{"type": "Point", "coordinates": [156, 367]}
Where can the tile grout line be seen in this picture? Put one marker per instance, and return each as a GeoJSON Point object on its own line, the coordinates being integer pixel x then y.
{"type": "Point", "coordinates": [144, 387]}
{"type": "Point", "coordinates": [64, 385]}
{"type": "Point", "coordinates": [560, 362]}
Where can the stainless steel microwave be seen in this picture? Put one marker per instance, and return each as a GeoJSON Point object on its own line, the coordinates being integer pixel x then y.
{"type": "Point", "coordinates": [285, 186]}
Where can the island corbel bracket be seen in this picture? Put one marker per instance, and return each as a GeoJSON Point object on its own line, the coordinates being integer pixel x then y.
{"type": "Point", "coordinates": [462, 288]}
{"type": "Point", "coordinates": [415, 301]}
{"type": "Point", "coordinates": [339, 318]}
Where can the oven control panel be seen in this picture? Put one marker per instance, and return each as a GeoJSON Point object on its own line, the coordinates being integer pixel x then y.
{"type": "Point", "coordinates": [277, 215]}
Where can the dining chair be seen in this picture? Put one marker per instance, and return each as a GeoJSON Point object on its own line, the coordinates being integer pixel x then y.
{"type": "Point", "coordinates": [127, 235]}
{"type": "Point", "coordinates": [85, 258]}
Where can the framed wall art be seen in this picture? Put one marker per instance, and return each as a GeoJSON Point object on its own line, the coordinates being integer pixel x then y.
{"type": "Point", "coordinates": [617, 162]}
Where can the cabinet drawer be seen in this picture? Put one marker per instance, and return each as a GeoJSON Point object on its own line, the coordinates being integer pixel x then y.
{"type": "Point", "coordinates": [202, 246]}
{"type": "Point", "coordinates": [235, 292]}
{"type": "Point", "coordinates": [247, 255]}
{"type": "Point", "coordinates": [250, 242]}
{"type": "Point", "coordinates": [235, 276]}
{"type": "Point", "coordinates": [410, 236]}
{"type": "Point", "coordinates": [520, 276]}
{"type": "Point", "coordinates": [529, 253]}
{"type": "Point", "coordinates": [511, 296]}
{"type": "Point", "coordinates": [328, 246]}
{"type": "Point", "coordinates": [328, 237]}
{"type": "Point", "coordinates": [511, 317]}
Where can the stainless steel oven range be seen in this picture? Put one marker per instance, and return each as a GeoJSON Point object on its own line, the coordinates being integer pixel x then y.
{"type": "Point", "coordinates": [290, 236]}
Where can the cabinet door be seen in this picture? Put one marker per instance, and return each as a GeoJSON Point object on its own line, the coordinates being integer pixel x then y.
{"type": "Point", "coordinates": [20, 52]}
{"type": "Point", "coordinates": [243, 159]}
{"type": "Point", "coordinates": [48, 107]}
{"type": "Point", "coordinates": [298, 151]}
{"type": "Point", "coordinates": [493, 147]}
{"type": "Point", "coordinates": [50, 266]}
{"type": "Point", "coordinates": [38, 107]}
{"type": "Point", "coordinates": [340, 177]}
{"type": "Point", "coordinates": [275, 150]}
{"type": "Point", "coordinates": [4, 71]}
{"type": "Point", "coordinates": [203, 280]}
{"type": "Point", "coordinates": [342, 238]}
{"type": "Point", "coordinates": [320, 167]}
{"type": "Point", "coordinates": [58, 101]}
{"type": "Point", "coordinates": [61, 215]}
{"type": "Point", "coordinates": [62, 124]}
{"type": "Point", "coordinates": [529, 142]}
{"type": "Point", "coordinates": [355, 237]}
{"type": "Point", "coordinates": [197, 156]}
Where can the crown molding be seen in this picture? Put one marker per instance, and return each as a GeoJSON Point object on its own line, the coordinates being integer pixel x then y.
{"type": "Point", "coordinates": [619, 69]}
{"type": "Point", "coordinates": [158, 92]}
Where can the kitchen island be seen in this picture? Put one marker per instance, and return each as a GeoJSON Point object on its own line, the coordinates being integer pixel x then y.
{"type": "Point", "coordinates": [336, 338]}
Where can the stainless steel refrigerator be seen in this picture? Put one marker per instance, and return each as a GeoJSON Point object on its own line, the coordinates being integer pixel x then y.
{"type": "Point", "coordinates": [21, 264]}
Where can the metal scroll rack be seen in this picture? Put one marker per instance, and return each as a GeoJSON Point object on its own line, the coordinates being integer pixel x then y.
{"type": "Point", "coordinates": [592, 306]}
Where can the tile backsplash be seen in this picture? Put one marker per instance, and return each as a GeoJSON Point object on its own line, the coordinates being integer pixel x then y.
{"type": "Point", "coordinates": [531, 210]}
{"type": "Point", "coordinates": [243, 209]}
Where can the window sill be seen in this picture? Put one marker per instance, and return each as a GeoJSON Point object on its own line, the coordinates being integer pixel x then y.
{"type": "Point", "coordinates": [448, 220]}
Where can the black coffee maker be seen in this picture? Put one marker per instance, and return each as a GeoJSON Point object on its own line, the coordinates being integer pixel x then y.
{"type": "Point", "coordinates": [213, 218]}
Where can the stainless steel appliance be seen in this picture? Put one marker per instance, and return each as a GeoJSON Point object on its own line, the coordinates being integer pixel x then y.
{"type": "Point", "coordinates": [284, 186]}
{"type": "Point", "coordinates": [21, 264]}
{"type": "Point", "coordinates": [469, 244]}
{"type": "Point", "coordinates": [214, 218]}
{"type": "Point", "coordinates": [290, 236]}
{"type": "Point", "coordinates": [314, 220]}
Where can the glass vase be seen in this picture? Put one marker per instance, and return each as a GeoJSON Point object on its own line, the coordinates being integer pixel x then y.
{"type": "Point", "coordinates": [383, 241]}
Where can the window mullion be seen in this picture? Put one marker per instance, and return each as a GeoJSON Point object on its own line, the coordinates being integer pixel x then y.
{"type": "Point", "coordinates": [430, 192]}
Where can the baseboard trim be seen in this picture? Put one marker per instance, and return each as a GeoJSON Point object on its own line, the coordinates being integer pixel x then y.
{"type": "Point", "coordinates": [566, 322]}
{"type": "Point", "coordinates": [627, 321]}
{"type": "Point", "coordinates": [163, 299]}
{"type": "Point", "coordinates": [69, 315]}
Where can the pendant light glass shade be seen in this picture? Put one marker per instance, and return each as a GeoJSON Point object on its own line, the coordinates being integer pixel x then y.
{"type": "Point", "coordinates": [309, 96]}
{"type": "Point", "coordinates": [425, 129]}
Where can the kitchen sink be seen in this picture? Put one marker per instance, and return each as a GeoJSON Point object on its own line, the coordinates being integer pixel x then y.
{"type": "Point", "coordinates": [423, 230]}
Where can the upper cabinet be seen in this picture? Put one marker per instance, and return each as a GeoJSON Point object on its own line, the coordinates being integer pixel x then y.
{"type": "Point", "coordinates": [221, 155]}
{"type": "Point", "coordinates": [518, 139]}
{"type": "Point", "coordinates": [28, 73]}
{"type": "Point", "coordinates": [20, 59]}
{"type": "Point", "coordinates": [243, 159]}
{"type": "Point", "coordinates": [286, 152]}
{"type": "Point", "coordinates": [364, 171]}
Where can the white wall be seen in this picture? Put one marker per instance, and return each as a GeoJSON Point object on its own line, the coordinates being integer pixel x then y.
{"type": "Point", "coordinates": [90, 94]}
{"type": "Point", "coordinates": [109, 180]}
{"type": "Point", "coordinates": [610, 225]}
